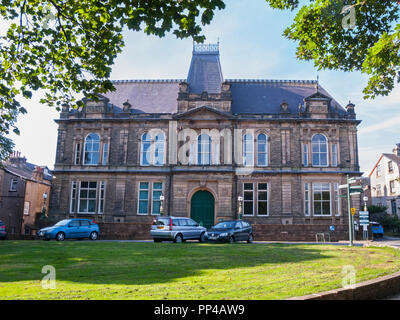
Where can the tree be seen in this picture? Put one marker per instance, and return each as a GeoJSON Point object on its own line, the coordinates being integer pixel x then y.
{"type": "Point", "coordinates": [68, 46]}
{"type": "Point", "coordinates": [349, 35]}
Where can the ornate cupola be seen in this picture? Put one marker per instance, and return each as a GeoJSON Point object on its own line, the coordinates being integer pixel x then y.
{"type": "Point", "coordinates": [205, 84]}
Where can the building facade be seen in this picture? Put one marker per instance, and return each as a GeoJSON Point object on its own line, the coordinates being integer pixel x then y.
{"type": "Point", "coordinates": [25, 189]}
{"type": "Point", "coordinates": [385, 181]}
{"type": "Point", "coordinates": [271, 151]}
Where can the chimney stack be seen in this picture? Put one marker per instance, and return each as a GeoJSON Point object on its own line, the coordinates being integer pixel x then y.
{"type": "Point", "coordinates": [37, 174]}
{"type": "Point", "coordinates": [396, 150]}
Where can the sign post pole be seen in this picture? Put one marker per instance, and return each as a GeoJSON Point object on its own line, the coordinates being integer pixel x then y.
{"type": "Point", "coordinates": [350, 215]}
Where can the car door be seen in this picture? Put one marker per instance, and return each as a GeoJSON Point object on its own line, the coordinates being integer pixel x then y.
{"type": "Point", "coordinates": [85, 229]}
{"type": "Point", "coordinates": [73, 229]}
{"type": "Point", "coordinates": [184, 228]}
{"type": "Point", "coordinates": [246, 230]}
{"type": "Point", "coordinates": [238, 231]}
{"type": "Point", "coordinates": [195, 230]}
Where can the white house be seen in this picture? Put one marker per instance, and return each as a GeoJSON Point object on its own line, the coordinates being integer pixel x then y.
{"type": "Point", "coordinates": [385, 181]}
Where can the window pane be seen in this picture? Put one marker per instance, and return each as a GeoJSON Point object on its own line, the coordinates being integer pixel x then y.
{"type": "Point", "coordinates": [262, 208]}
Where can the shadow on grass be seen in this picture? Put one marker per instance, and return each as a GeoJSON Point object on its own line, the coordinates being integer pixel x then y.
{"type": "Point", "coordinates": [140, 263]}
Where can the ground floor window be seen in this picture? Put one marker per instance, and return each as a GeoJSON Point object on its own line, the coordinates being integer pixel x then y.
{"type": "Point", "coordinates": [87, 197]}
{"type": "Point", "coordinates": [255, 199]}
{"type": "Point", "coordinates": [321, 199]}
{"type": "Point", "coordinates": [149, 197]}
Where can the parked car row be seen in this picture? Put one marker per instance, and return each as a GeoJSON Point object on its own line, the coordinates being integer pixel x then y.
{"type": "Point", "coordinates": [179, 229]}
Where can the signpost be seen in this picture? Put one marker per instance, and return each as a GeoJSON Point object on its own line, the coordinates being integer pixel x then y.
{"type": "Point", "coordinates": [351, 190]}
{"type": "Point", "coordinates": [364, 221]}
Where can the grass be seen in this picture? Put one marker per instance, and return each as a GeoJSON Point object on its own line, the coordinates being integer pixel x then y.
{"type": "Point", "coordinates": [116, 270]}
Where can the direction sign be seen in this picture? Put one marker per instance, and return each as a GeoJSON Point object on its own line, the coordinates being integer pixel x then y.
{"type": "Point", "coordinates": [356, 187]}
{"type": "Point", "coordinates": [343, 186]}
{"type": "Point", "coordinates": [352, 180]}
{"type": "Point", "coordinates": [364, 218]}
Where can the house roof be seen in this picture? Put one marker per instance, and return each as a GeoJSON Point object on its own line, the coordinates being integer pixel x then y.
{"type": "Point", "coordinates": [26, 170]}
{"type": "Point", "coordinates": [249, 96]}
{"type": "Point", "coordinates": [390, 156]}
{"type": "Point", "coordinates": [257, 96]}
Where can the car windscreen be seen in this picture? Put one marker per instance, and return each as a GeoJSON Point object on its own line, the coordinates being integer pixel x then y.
{"type": "Point", "coordinates": [62, 223]}
{"type": "Point", "coordinates": [225, 225]}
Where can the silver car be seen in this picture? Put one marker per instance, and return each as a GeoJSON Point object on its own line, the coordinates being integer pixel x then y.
{"type": "Point", "coordinates": [177, 229]}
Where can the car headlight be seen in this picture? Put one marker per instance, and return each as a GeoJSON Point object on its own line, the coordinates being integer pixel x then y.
{"type": "Point", "coordinates": [224, 234]}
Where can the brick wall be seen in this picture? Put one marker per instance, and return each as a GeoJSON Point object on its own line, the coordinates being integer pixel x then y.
{"type": "Point", "coordinates": [262, 232]}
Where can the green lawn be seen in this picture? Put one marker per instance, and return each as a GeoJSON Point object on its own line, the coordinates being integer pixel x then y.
{"type": "Point", "coordinates": [114, 270]}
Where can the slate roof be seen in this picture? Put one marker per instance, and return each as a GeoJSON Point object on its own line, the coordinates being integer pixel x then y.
{"type": "Point", "coordinates": [26, 171]}
{"type": "Point", "coordinates": [253, 96]}
{"type": "Point", "coordinates": [205, 73]}
{"type": "Point", "coordinates": [249, 96]}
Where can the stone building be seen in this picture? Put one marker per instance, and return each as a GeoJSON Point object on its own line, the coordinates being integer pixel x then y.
{"type": "Point", "coordinates": [271, 151]}
{"type": "Point", "coordinates": [24, 193]}
{"type": "Point", "coordinates": [385, 181]}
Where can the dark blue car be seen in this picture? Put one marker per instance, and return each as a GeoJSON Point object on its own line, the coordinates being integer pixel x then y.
{"type": "Point", "coordinates": [71, 229]}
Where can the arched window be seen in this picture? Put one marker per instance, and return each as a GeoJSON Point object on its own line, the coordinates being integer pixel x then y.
{"type": "Point", "coordinates": [204, 149]}
{"type": "Point", "coordinates": [319, 145]}
{"type": "Point", "coordinates": [248, 150]}
{"type": "Point", "coordinates": [146, 150]}
{"type": "Point", "coordinates": [262, 150]}
{"type": "Point", "coordinates": [159, 149]}
{"type": "Point", "coordinates": [92, 149]}
{"type": "Point", "coordinates": [152, 149]}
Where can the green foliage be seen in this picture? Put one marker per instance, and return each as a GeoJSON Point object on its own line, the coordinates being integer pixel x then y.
{"type": "Point", "coordinates": [6, 147]}
{"type": "Point", "coordinates": [65, 47]}
{"type": "Point", "coordinates": [376, 209]}
{"type": "Point", "coordinates": [390, 223]}
{"type": "Point", "coordinates": [371, 47]}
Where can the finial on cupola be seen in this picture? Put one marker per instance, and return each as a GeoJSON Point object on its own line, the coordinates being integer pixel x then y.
{"type": "Point", "coordinates": [127, 105]}
{"type": "Point", "coordinates": [350, 108]}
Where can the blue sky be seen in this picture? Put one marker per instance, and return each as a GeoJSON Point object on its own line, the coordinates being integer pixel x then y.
{"type": "Point", "coordinates": [251, 46]}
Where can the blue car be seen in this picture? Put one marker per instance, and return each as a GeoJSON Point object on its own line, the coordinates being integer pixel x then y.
{"type": "Point", "coordinates": [71, 229]}
{"type": "Point", "coordinates": [377, 229]}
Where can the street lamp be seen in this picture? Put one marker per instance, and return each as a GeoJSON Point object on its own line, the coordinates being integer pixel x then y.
{"type": "Point", "coordinates": [240, 200]}
{"type": "Point", "coordinates": [44, 205]}
{"type": "Point", "coordinates": [365, 198]}
{"type": "Point", "coordinates": [161, 204]}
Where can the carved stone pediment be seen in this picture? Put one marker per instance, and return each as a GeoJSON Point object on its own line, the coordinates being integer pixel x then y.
{"type": "Point", "coordinates": [204, 113]}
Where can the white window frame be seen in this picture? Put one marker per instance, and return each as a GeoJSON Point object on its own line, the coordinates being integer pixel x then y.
{"type": "Point", "coordinates": [78, 153]}
{"type": "Point", "coordinates": [72, 207]}
{"type": "Point", "coordinates": [321, 201]}
{"type": "Point", "coordinates": [98, 152]}
{"type": "Point", "coordinates": [148, 196]}
{"type": "Point", "coordinates": [253, 200]}
{"type": "Point", "coordinates": [245, 151]}
{"type": "Point", "coordinates": [13, 184]}
{"type": "Point", "coordinates": [266, 153]}
{"type": "Point", "coordinates": [319, 151]}
{"type": "Point", "coordinates": [201, 150]}
{"type": "Point", "coordinates": [87, 205]}
{"type": "Point", "coordinates": [306, 160]}
{"type": "Point", "coordinates": [307, 199]}
{"type": "Point", "coordinates": [102, 197]}
{"type": "Point", "coordinates": [152, 196]}
{"type": "Point", "coordinates": [258, 200]}
{"type": "Point", "coordinates": [334, 155]}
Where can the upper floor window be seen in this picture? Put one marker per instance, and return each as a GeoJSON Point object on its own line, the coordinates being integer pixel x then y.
{"type": "Point", "coordinates": [13, 186]}
{"type": "Point", "coordinates": [204, 149]}
{"type": "Point", "coordinates": [334, 155]}
{"type": "Point", "coordinates": [262, 150]}
{"type": "Point", "coordinates": [92, 149]}
{"type": "Point", "coordinates": [248, 150]}
{"type": "Point", "coordinates": [150, 145]}
{"type": "Point", "coordinates": [378, 170]}
{"type": "Point", "coordinates": [390, 166]}
{"type": "Point", "coordinates": [319, 150]}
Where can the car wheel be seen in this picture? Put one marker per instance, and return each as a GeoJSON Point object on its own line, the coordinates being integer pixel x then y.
{"type": "Point", "coordinates": [231, 239]}
{"type": "Point", "coordinates": [250, 239]}
{"type": "Point", "coordinates": [93, 235]}
{"type": "Point", "coordinates": [202, 237]}
{"type": "Point", "coordinates": [60, 236]}
{"type": "Point", "coordinates": [178, 238]}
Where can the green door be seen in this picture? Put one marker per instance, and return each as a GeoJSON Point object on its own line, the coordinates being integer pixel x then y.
{"type": "Point", "coordinates": [202, 208]}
